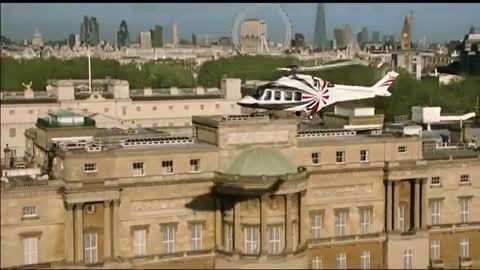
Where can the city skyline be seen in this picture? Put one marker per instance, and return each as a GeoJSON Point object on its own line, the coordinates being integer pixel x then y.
{"type": "Point", "coordinates": [386, 18]}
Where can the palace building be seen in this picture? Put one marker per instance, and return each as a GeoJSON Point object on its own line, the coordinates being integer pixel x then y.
{"type": "Point", "coordinates": [242, 192]}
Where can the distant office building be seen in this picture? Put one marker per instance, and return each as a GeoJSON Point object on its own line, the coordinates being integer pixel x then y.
{"type": "Point", "coordinates": [123, 37]}
{"type": "Point", "coordinates": [348, 34]}
{"type": "Point", "coordinates": [320, 36]}
{"type": "Point", "coordinates": [406, 38]}
{"type": "Point", "coordinates": [340, 37]}
{"type": "Point", "coordinates": [254, 35]}
{"type": "Point", "coordinates": [472, 30]}
{"type": "Point", "coordinates": [299, 41]}
{"type": "Point", "coordinates": [78, 40]}
{"type": "Point", "coordinates": [194, 39]}
{"type": "Point", "coordinates": [225, 41]}
{"type": "Point", "coordinates": [385, 38]}
{"type": "Point", "coordinates": [175, 38]}
{"type": "Point", "coordinates": [362, 36]}
{"type": "Point", "coordinates": [375, 36]}
{"type": "Point", "coordinates": [89, 31]}
{"type": "Point", "coordinates": [37, 40]}
{"type": "Point", "coordinates": [157, 36]}
{"type": "Point", "coordinates": [392, 38]}
{"type": "Point", "coordinates": [145, 40]}
{"type": "Point", "coordinates": [71, 41]}
{"type": "Point", "coordinates": [470, 54]}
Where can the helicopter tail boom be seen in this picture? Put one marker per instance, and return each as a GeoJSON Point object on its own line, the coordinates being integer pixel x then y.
{"type": "Point", "coordinates": [381, 87]}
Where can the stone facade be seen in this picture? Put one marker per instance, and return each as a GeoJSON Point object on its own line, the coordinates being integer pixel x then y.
{"type": "Point", "coordinates": [341, 208]}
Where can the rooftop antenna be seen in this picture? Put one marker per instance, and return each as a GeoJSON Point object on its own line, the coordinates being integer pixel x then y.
{"type": "Point", "coordinates": [89, 71]}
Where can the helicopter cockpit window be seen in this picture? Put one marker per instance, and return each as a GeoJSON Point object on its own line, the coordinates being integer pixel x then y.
{"type": "Point", "coordinates": [268, 95]}
{"type": "Point", "coordinates": [330, 84]}
{"type": "Point", "coordinates": [278, 95]}
{"type": "Point", "coordinates": [288, 95]}
{"type": "Point", "coordinates": [298, 96]}
{"type": "Point", "coordinates": [259, 93]}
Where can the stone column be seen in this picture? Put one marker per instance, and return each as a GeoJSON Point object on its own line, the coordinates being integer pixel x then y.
{"type": "Point", "coordinates": [288, 224]}
{"type": "Point", "coordinates": [263, 225]}
{"type": "Point", "coordinates": [69, 235]}
{"type": "Point", "coordinates": [396, 205]}
{"type": "Point", "coordinates": [79, 231]}
{"type": "Point", "coordinates": [416, 211]}
{"type": "Point", "coordinates": [218, 224]}
{"type": "Point", "coordinates": [389, 206]}
{"type": "Point", "coordinates": [116, 224]}
{"type": "Point", "coordinates": [237, 230]}
{"type": "Point", "coordinates": [107, 231]}
{"type": "Point", "coordinates": [303, 223]}
{"type": "Point", "coordinates": [424, 204]}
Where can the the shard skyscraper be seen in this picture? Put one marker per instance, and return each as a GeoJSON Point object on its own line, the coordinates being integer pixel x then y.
{"type": "Point", "coordinates": [320, 36]}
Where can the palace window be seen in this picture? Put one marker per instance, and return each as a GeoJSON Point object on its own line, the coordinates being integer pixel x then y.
{"type": "Point", "coordinates": [251, 239]}
{"type": "Point", "coordinates": [274, 239]}
{"type": "Point", "coordinates": [435, 250]}
{"type": "Point", "coordinates": [194, 165]}
{"type": "Point", "coordinates": [169, 231]}
{"type": "Point", "coordinates": [316, 158]}
{"type": "Point", "coordinates": [196, 236]}
{"type": "Point", "coordinates": [435, 211]}
{"type": "Point", "coordinates": [167, 166]}
{"type": "Point", "coordinates": [435, 181]}
{"type": "Point", "coordinates": [228, 237]}
{"type": "Point", "coordinates": [138, 169]}
{"type": "Point", "coordinates": [202, 106]}
{"type": "Point", "coordinates": [364, 155]}
{"type": "Point", "coordinates": [29, 211]}
{"type": "Point", "coordinates": [401, 217]}
{"type": "Point", "coordinates": [30, 252]}
{"type": "Point", "coordinates": [340, 156]}
{"type": "Point", "coordinates": [317, 224]}
{"type": "Point", "coordinates": [408, 259]}
{"type": "Point", "coordinates": [365, 259]}
{"type": "Point", "coordinates": [465, 248]}
{"type": "Point", "coordinates": [13, 132]}
{"type": "Point", "coordinates": [465, 209]}
{"type": "Point", "coordinates": [341, 217]}
{"type": "Point", "coordinates": [365, 215]}
{"type": "Point", "coordinates": [402, 149]}
{"type": "Point", "coordinates": [317, 262]}
{"type": "Point", "coordinates": [90, 242]}
{"type": "Point", "coordinates": [90, 167]}
{"type": "Point", "coordinates": [342, 260]}
{"type": "Point", "coordinates": [140, 242]}
{"type": "Point", "coordinates": [465, 179]}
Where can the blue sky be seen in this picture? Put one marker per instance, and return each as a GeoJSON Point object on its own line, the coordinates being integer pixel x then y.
{"type": "Point", "coordinates": [442, 21]}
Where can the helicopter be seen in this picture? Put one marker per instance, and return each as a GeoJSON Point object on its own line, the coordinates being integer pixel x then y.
{"type": "Point", "coordinates": [302, 93]}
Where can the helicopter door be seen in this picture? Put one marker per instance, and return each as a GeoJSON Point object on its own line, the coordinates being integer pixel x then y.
{"type": "Point", "coordinates": [268, 95]}
{"type": "Point", "coordinates": [278, 95]}
{"type": "Point", "coordinates": [288, 95]}
{"type": "Point", "coordinates": [298, 96]}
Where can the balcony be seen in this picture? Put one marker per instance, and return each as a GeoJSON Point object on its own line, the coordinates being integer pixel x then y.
{"type": "Point", "coordinates": [257, 185]}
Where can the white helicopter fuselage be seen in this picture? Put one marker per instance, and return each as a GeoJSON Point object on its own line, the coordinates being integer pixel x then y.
{"type": "Point", "coordinates": [304, 93]}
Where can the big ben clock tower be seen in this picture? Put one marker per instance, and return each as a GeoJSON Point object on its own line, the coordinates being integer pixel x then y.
{"type": "Point", "coordinates": [406, 32]}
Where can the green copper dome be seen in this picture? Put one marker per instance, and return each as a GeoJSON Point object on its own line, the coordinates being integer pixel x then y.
{"type": "Point", "coordinates": [261, 161]}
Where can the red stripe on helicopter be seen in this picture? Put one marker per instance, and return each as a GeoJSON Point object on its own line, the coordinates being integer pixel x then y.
{"type": "Point", "coordinates": [324, 83]}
